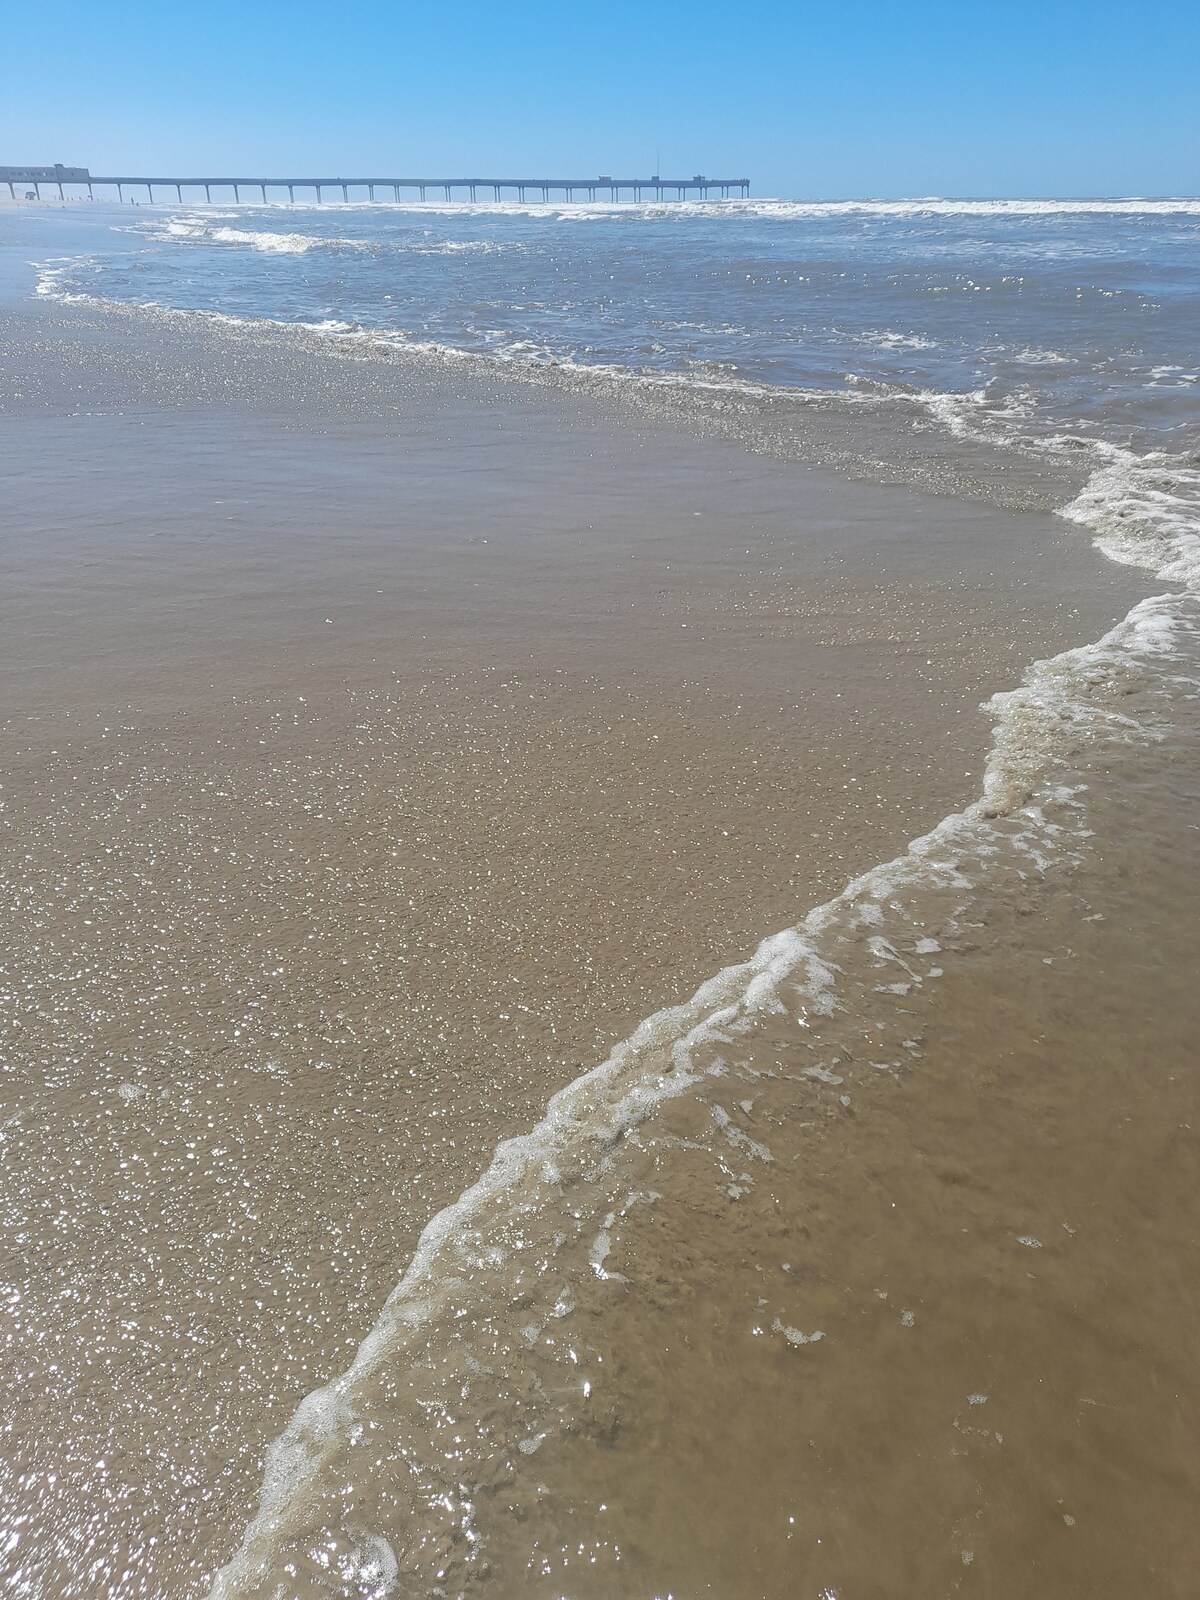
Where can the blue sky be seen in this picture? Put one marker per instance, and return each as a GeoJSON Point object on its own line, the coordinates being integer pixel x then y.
{"type": "Point", "coordinates": [982, 97]}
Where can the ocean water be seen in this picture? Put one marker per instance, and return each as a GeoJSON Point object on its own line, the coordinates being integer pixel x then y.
{"type": "Point", "coordinates": [585, 1380]}
{"type": "Point", "coordinates": [1081, 318]}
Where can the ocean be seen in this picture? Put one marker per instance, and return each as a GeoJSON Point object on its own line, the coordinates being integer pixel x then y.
{"type": "Point", "coordinates": [1054, 332]}
{"type": "Point", "coordinates": [866, 1266]}
{"type": "Point", "coordinates": [1077, 318]}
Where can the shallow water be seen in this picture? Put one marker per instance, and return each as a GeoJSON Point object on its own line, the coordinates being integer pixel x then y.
{"type": "Point", "coordinates": [871, 1268]}
{"type": "Point", "coordinates": [314, 899]}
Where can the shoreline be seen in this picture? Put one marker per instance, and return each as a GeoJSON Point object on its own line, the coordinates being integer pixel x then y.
{"type": "Point", "coordinates": [908, 437]}
{"type": "Point", "coordinates": [840, 627]}
{"type": "Point", "coordinates": [657, 1084]}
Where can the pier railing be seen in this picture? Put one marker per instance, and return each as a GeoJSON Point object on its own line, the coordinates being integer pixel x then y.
{"type": "Point", "coordinates": [605, 187]}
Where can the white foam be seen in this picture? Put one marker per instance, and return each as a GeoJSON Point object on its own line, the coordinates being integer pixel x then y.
{"type": "Point", "coordinates": [937, 206]}
{"type": "Point", "coordinates": [764, 209]}
{"type": "Point", "coordinates": [769, 208]}
{"type": "Point", "coordinates": [794, 1336]}
{"type": "Point", "coordinates": [200, 230]}
{"type": "Point", "coordinates": [887, 339]}
{"type": "Point", "coordinates": [1144, 511]}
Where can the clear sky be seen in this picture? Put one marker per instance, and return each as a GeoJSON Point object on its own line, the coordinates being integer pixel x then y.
{"type": "Point", "coordinates": [813, 98]}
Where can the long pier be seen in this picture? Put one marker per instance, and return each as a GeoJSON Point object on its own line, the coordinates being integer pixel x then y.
{"type": "Point", "coordinates": [606, 187]}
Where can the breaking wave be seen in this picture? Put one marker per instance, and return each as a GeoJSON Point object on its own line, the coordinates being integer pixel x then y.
{"type": "Point", "coordinates": [201, 230]}
{"type": "Point", "coordinates": [764, 207]}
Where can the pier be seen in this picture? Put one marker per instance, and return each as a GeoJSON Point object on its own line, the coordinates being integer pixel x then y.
{"type": "Point", "coordinates": [605, 187]}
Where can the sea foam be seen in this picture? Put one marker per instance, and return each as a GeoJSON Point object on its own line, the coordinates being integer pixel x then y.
{"type": "Point", "coordinates": [769, 208]}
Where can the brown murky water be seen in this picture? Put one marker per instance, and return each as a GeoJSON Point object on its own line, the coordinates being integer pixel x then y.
{"type": "Point", "coordinates": [366, 779]}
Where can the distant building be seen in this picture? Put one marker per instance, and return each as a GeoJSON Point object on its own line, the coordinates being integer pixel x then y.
{"type": "Point", "coordinates": [55, 174]}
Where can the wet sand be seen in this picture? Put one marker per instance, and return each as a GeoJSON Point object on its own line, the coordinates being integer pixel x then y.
{"type": "Point", "coordinates": [382, 742]}
{"type": "Point", "coordinates": [906, 1296]}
